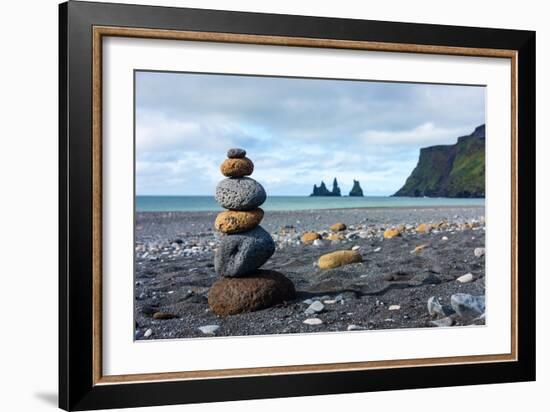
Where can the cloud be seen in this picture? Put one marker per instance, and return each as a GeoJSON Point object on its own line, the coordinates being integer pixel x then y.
{"type": "Point", "coordinates": [297, 131]}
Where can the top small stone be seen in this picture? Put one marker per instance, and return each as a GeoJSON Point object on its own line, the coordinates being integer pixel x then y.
{"type": "Point", "coordinates": [236, 153]}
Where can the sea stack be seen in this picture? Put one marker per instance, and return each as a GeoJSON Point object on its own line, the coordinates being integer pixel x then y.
{"type": "Point", "coordinates": [356, 189]}
{"type": "Point", "coordinates": [245, 246]}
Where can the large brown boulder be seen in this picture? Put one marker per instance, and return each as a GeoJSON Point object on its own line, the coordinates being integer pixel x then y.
{"type": "Point", "coordinates": [265, 288]}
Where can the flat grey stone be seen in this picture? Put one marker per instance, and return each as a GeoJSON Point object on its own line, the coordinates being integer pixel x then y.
{"type": "Point", "coordinates": [468, 306]}
{"type": "Point", "coordinates": [242, 193]}
{"type": "Point", "coordinates": [236, 153]}
{"type": "Point", "coordinates": [242, 253]}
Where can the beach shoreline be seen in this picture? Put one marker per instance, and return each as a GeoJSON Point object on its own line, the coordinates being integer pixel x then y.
{"type": "Point", "coordinates": [175, 253]}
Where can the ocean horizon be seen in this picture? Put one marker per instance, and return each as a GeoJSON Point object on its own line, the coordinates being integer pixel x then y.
{"type": "Point", "coordinates": [283, 203]}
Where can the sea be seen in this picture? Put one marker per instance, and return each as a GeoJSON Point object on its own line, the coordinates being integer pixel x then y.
{"type": "Point", "coordinates": [208, 203]}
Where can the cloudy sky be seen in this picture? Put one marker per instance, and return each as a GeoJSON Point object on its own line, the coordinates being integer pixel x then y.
{"type": "Point", "coordinates": [296, 131]}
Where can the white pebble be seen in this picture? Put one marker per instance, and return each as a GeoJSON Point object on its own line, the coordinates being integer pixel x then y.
{"type": "Point", "coordinates": [209, 329]}
{"type": "Point", "coordinates": [479, 251]}
{"type": "Point", "coordinates": [444, 238]}
{"type": "Point", "coordinates": [467, 278]}
{"type": "Point", "coordinates": [329, 302]}
{"type": "Point", "coordinates": [394, 307]}
{"type": "Point", "coordinates": [148, 333]}
{"type": "Point", "coordinates": [356, 247]}
{"type": "Point", "coordinates": [378, 249]}
{"type": "Point", "coordinates": [313, 321]}
{"type": "Point", "coordinates": [354, 327]}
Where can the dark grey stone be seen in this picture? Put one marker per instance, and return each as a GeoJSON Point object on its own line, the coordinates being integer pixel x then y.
{"type": "Point", "coordinates": [242, 193]}
{"type": "Point", "coordinates": [236, 153]}
{"type": "Point", "coordinates": [242, 253]}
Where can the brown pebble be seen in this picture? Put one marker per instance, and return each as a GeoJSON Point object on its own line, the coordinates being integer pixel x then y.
{"type": "Point", "coordinates": [163, 315]}
{"type": "Point", "coordinates": [237, 167]}
{"type": "Point", "coordinates": [338, 227]}
{"type": "Point", "coordinates": [309, 237]}
{"type": "Point", "coordinates": [339, 258]}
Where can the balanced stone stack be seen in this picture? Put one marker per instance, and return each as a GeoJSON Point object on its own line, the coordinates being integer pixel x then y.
{"type": "Point", "coordinates": [245, 246]}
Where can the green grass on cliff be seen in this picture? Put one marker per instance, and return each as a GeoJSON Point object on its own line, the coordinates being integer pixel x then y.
{"type": "Point", "coordinates": [449, 171]}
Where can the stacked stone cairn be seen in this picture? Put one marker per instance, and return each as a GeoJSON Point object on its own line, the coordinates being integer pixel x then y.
{"type": "Point", "coordinates": [245, 246]}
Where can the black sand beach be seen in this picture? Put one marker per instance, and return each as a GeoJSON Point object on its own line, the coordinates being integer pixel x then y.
{"type": "Point", "coordinates": [389, 289]}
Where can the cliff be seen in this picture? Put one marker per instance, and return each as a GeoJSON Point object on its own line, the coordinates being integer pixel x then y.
{"type": "Point", "coordinates": [450, 171]}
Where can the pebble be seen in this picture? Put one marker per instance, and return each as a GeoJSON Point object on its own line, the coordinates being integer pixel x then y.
{"type": "Point", "coordinates": [339, 258]}
{"type": "Point", "coordinates": [356, 247]}
{"type": "Point", "coordinates": [448, 321]}
{"type": "Point", "coordinates": [355, 327]}
{"type": "Point", "coordinates": [319, 242]}
{"type": "Point", "coordinates": [329, 302]}
{"type": "Point", "coordinates": [148, 333]}
{"type": "Point", "coordinates": [418, 248]}
{"type": "Point", "coordinates": [163, 315]}
{"type": "Point", "coordinates": [467, 278]}
{"type": "Point", "coordinates": [236, 153]}
{"type": "Point", "coordinates": [313, 321]}
{"type": "Point", "coordinates": [338, 227]}
{"type": "Point", "coordinates": [479, 251]}
{"type": "Point", "coordinates": [394, 307]}
{"type": "Point", "coordinates": [444, 238]}
{"type": "Point", "coordinates": [309, 237]}
{"type": "Point", "coordinates": [434, 307]}
{"type": "Point", "coordinates": [308, 301]}
{"type": "Point", "coordinates": [315, 307]}
{"type": "Point", "coordinates": [209, 329]}
{"type": "Point", "coordinates": [378, 249]}
{"type": "Point", "coordinates": [468, 306]}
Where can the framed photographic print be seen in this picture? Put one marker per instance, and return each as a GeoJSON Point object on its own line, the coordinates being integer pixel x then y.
{"type": "Point", "coordinates": [258, 205]}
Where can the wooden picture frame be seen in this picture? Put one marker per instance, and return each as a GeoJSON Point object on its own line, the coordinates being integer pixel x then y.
{"type": "Point", "coordinates": [82, 385]}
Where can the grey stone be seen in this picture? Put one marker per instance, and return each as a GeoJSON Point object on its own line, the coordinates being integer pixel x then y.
{"type": "Point", "coordinates": [468, 306]}
{"type": "Point", "coordinates": [209, 329]}
{"type": "Point", "coordinates": [241, 193]}
{"type": "Point", "coordinates": [315, 307]}
{"type": "Point", "coordinates": [319, 242]}
{"type": "Point", "coordinates": [434, 307]}
{"type": "Point", "coordinates": [445, 322]}
{"type": "Point", "coordinates": [236, 153]}
{"type": "Point", "coordinates": [242, 253]}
